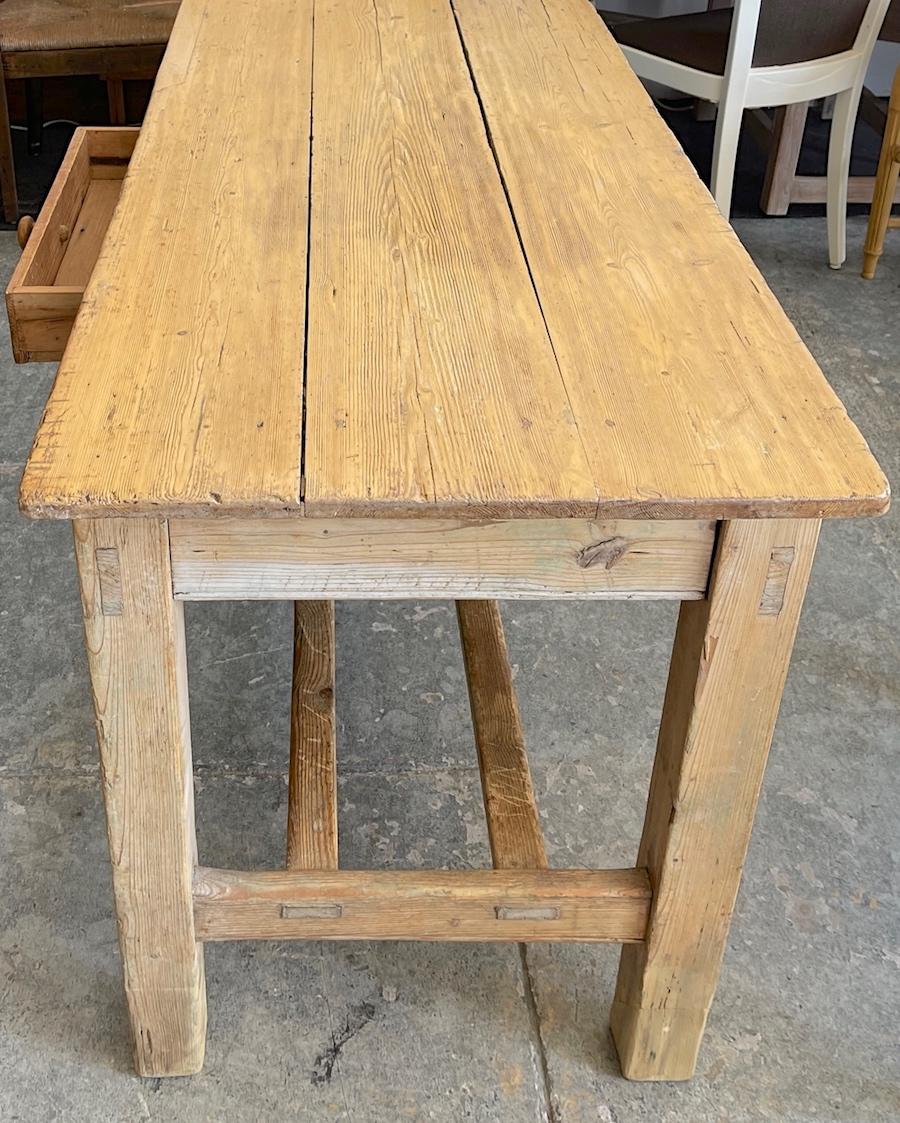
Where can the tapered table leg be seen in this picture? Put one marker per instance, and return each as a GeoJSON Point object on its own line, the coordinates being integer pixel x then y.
{"type": "Point", "coordinates": [135, 645]}
{"type": "Point", "coordinates": [728, 670]}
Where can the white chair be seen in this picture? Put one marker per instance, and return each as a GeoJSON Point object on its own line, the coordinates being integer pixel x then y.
{"type": "Point", "coordinates": [766, 53]}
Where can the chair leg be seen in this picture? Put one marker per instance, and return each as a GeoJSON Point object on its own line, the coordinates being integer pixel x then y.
{"type": "Point", "coordinates": [787, 140]}
{"type": "Point", "coordinates": [7, 165]}
{"type": "Point", "coordinates": [728, 130]}
{"type": "Point", "coordinates": [885, 185]}
{"type": "Point", "coordinates": [34, 110]}
{"type": "Point", "coordinates": [842, 126]}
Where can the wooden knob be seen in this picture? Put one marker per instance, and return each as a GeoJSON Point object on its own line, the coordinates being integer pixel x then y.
{"type": "Point", "coordinates": [23, 230]}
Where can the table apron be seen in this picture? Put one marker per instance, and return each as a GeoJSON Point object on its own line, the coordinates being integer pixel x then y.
{"type": "Point", "coordinates": [345, 559]}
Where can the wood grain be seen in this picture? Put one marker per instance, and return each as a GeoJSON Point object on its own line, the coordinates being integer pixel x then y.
{"type": "Point", "coordinates": [182, 382]}
{"type": "Point", "coordinates": [691, 388]}
{"type": "Point", "coordinates": [215, 559]}
{"type": "Point", "coordinates": [312, 836]}
{"type": "Point", "coordinates": [631, 362]}
{"type": "Point", "coordinates": [432, 385]}
{"type": "Point", "coordinates": [453, 905]}
{"type": "Point", "coordinates": [88, 232]}
{"type": "Point", "coordinates": [135, 644]}
{"type": "Point", "coordinates": [514, 827]}
{"type": "Point", "coordinates": [728, 669]}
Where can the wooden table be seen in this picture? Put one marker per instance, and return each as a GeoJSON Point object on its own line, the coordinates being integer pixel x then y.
{"type": "Point", "coordinates": [405, 298]}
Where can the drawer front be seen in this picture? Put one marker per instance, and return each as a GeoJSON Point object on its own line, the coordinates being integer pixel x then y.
{"type": "Point", "coordinates": [47, 287]}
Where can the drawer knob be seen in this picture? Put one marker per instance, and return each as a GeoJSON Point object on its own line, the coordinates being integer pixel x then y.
{"type": "Point", "coordinates": [23, 230]}
{"type": "Point", "coordinates": [64, 233]}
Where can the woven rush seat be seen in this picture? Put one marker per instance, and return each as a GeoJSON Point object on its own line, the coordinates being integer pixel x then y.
{"type": "Point", "coordinates": [52, 25]}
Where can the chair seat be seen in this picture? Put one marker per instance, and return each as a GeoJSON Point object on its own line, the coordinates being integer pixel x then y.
{"type": "Point", "coordinates": [59, 25]}
{"type": "Point", "coordinates": [698, 39]}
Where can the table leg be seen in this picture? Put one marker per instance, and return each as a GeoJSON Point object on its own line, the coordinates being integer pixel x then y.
{"type": "Point", "coordinates": [135, 643]}
{"type": "Point", "coordinates": [728, 669]}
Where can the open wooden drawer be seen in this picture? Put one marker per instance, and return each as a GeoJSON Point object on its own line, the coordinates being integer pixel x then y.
{"type": "Point", "coordinates": [60, 251]}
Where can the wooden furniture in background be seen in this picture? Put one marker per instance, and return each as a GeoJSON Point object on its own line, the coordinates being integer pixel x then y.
{"type": "Point", "coordinates": [782, 136]}
{"type": "Point", "coordinates": [764, 53]}
{"type": "Point", "coordinates": [473, 430]}
{"type": "Point", "coordinates": [116, 39]}
{"type": "Point", "coordinates": [880, 220]}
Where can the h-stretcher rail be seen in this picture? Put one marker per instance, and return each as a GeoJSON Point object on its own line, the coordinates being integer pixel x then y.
{"type": "Point", "coordinates": [521, 899]}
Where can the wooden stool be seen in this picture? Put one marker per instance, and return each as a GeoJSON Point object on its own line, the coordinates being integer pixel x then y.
{"type": "Point", "coordinates": [880, 220]}
{"type": "Point", "coordinates": [312, 370]}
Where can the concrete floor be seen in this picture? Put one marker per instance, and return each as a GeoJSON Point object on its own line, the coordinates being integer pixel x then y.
{"type": "Point", "coordinates": [805, 1025]}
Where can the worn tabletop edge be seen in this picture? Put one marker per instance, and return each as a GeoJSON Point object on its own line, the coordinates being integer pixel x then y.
{"type": "Point", "coordinates": [721, 509]}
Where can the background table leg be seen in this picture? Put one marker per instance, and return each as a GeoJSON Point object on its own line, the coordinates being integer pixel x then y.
{"type": "Point", "coordinates": [135, 644]}
{"type": "Point", "coordinates": [728, 669]}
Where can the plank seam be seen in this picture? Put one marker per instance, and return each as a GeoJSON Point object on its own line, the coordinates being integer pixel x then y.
{"type": "Point", "coordinates": [301, 482]}
{"type": "Point", "coordinates": [515, 221]}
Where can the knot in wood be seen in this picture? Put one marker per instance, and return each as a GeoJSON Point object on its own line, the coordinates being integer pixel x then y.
{"type": "Point", "coordinates": [605, 553]}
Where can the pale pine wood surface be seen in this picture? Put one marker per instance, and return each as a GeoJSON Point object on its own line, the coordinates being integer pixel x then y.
{"type": "Point", "coordinates": [729, 664]}
{"type": "Point", "coordinates": [134, 633]}
{"type": "Point", "coordinates": [514, 827]}
{"type": "Point", "coordinates": [181, 385]}
{"type": "Point", "coordinates": [288, 559]}
{"type": "Point", "coordinates": [647, 372]}
{"type": "Point", "coordinates": [312, 835]}
{"type": "Point", "coordinates": [590, 905]}
{"type": "Point", "coordinates": [432, 384]}
{"type": "Point", "coordinates": [689, 383]}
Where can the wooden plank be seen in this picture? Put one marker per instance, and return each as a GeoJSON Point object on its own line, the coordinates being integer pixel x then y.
{"type": "Point", "coordinates": [312, 839]}
{"type": "Point", "coordinates": [692, 391]}
{"type": "Point", "coordinates": [432, 385]}
{"type": "Point", "coordinates": [41, 319]}
{"type": "Point", "coordinates": [514, 827]}
{"type": "Point", "coordinates": [728, 669]}
{"type": "Point", "coordinates": [135, 646]}
{"type": "Point", "coordinates": [216, 559]}
{"type": "Point", "coordinates": [136, 61]}
{"type": "Point", "coordinates": [46, 245]}
{"type": "Point", "coordinates": [813, 189]}
{"type": "Point", "coordinates": [88, 232]}
{"type": "Point", "coordinates": [111, 145]}
{"type": "Point", "coordinates": [485, 905]}
{"type": "Point", "coordinates": [191, 332]}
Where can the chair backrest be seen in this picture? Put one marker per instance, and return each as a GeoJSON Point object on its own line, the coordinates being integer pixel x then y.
{"type": "Point", "coordinates": [792, 31]}
{"type": "Point", "coordinates": [795, 34]}
{"type": "Point", "coordinates": [785, 32]}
